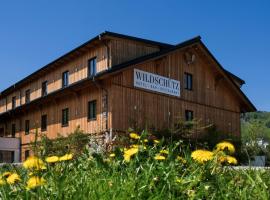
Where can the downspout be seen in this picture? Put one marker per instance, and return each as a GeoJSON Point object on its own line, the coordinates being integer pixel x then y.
{"type": "Point", "coordinates": [107, 50]}
{"type": "Point", "coordinates": [106, 93]}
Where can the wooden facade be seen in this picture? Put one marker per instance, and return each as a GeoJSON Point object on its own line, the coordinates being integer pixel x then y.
{"type": "Point", "coordinates": [215, 98]}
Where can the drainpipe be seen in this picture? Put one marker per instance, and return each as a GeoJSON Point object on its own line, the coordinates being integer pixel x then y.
{"type": "Point", "coordinates": [106, 93]}
{"type": "Point", "coordinates": [107, 50]}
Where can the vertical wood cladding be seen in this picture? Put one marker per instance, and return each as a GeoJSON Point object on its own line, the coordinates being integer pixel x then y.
{"type": "Point", "coordinates": [211, 98]}
{"type": "Point", "coordinates": [210, 102]}
{"type": "Point", "coordinates": [125, 50]}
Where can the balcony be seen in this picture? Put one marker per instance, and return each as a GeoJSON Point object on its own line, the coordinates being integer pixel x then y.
{"type": "Point", "coordinates": [9, 150]}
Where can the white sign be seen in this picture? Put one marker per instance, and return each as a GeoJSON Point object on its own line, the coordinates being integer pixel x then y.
{"type": "Point", "coordinates": [156, 83]}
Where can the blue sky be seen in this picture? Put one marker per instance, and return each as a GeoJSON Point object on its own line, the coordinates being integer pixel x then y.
{"type": "Point", "coordinates": [33, 33]}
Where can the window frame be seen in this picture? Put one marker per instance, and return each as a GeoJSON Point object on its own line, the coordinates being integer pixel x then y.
{"type": "Point", "coordinates": [13, 102]}
{"type": "Point", "coordinates": [27, 127]}
{"type": "Point", "coordinates": [65, 117]}
{"type": "Point", "coordinates": [27, 96]}
{"type": "Point", "coordinates": [92, 67]}
{"type": "Point", "coordinates": [13, 130]}
{"type": "Point", "coordinates": [92, 110]}
{"type": "Point", "coordinates": [65, 79]}
{"type": "Point", "coordinates": [189, 117]}
{"type": "Point", "coordinates": [43, 126]}
{"type": "Point", "coordinates": [188, 81]}
{"type": "Point", "coordinates": [44, 90]}
{"type": "Point", "coordinates": [26, 154]}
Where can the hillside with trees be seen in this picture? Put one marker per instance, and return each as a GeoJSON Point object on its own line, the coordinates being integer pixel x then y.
{"type": "Point", "coordinates": [256, 125]}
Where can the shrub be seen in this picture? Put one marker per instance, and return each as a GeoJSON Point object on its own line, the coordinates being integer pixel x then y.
{"type": "Point", "coordinates": [73, 143]}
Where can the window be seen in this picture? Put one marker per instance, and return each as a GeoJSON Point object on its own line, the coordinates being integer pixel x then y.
{"type": "Point", "coordinates": [27, 96]}
{"type": "Point", "coordinates": [13, 130]}
{"type": "Point", "coordinates": [43, 122]}
{"type": "Point", "coordinates": [188, 81]}
{"type": "Point", "coordinates": [65, 117]}
{"type": "Point", "coordinates": [65, 76]}
{"type": "Point", "coordinates": [2, 132]}
{"type": "Point", "coordinates": [26, 154]}
{"type": "Point", "coordinates": [92, 67]}
{"type": "Point", "coordinates": [44, 88]}
{"type": "Point", "coordinates": [189, 115]}
{"type": "Point", "coordinates": [27, 127]}
{"type": "Point", "coordinates": [13, 102]}
{"type": "Point", "coordinates": [92, 115]}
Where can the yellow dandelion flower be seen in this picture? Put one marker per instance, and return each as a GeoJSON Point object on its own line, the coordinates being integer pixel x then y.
{"type": "Point", "coordinates": [138, 146]}
{"type": "Point", "coordinates": [34, 163]}
{"type": "Point", "coordinates": [156, 141]}
{"type": "Point", "coordinates": [164, 151]}
{"type": "Point", "coordinates": [225, 146]}
{"type": "Point", "coordinates": [112, 155]}
{"type": "Point", "coordinates": [6, 174]}
{"type": "Point", "coordinates": [66, 157]}
{"type": "Point", "coordinates": [52, 159]}
{"type": "Point", "coordinates": [127, 157]}
{"type": "Point", "coordinates": [159, 157]}
{"type": "Point", "coordinates": [202, 156]}
{"type": "Point", "coordinates": [134, 136]}
{"type": "Point", "coordinates": [34, 182]}
{"type": "Point", "coordinates": [181, 159]}
{"type": "Point", "coordinates": [13, 178]}
{"type": "Point", "coordinates": [231, 160]}
{"type": "Point", "coordinates": [129, 153]}
{"type": "Point", "coordinates": [227, 159]}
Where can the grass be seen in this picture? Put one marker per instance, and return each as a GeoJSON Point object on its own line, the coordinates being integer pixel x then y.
{"type": "Point", "coordinates": [111, 176]}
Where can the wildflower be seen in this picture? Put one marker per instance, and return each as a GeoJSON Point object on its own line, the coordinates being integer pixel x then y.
{"type": "Point", "coordinates": [52, 159]}
{"type": "Point", "coordinates": [190, 193]}
{"type": "Point", "coordinates": [13, 178]}
{"type": "Point", "coordinates": [134, 146]}
{"type": "Point", "coordinates": [207, 187]}
{"type": "Point", "coordinates": [225, 146]}
{"type": "Point", "coordinates": [178, 180]}
{"type": "Point", "coordinates": [181, 159]}
{"type": "Point", "coordinates": [145, 140]}
{"type": "Point", "coordinates": [129, 153]}
{"type": "Point", "coordinates": [138, 146]}
{"type": "Point", "coordinates": [227, 159]}
{"type": "Point", "coordinates": [112, 155]}
{"type": "Point", "coordinates": [156, 141]}
{"type": "Point", "coordinates": [34, 182]}
{"type": "Point", "coordinates": [6, 174]}
{"type": "Point", "coordinates": [134, 136]}
{"type": "Point", "coordinates": [202, 156]}
{"type": "Point", "coordinates": [66, 157]}
{"type": "Point", "coordinates": [159, 157]}
{"type": "Point", "coordinates": [110, 183]}
{"type": "Point", "coordinates": [34, 163]}
{"type": "Point", "coordinates": [231, 160]}
{"type": "Point", "coordinates": [164, 151]}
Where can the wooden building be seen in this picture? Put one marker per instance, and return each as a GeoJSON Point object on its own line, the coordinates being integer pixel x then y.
{"type": "Point", "coordinates": [113, 81]}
